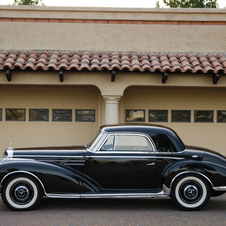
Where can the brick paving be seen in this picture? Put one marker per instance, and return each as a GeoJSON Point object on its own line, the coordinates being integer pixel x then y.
{"type": "Point", "coordinates": [115, 212]}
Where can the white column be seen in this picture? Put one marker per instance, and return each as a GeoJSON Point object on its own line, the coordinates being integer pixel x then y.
{"type": "Point", "coordinates": [111, 109]}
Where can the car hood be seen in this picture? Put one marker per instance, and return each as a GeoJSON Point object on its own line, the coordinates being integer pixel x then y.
{"type": "Point", "coordinates": [46, 152]}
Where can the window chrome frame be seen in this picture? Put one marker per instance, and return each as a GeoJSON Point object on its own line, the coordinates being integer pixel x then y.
{"type": "Point", "coordinates": [126, 134]}
{"type": "Point", "coordinates": [99, 143]}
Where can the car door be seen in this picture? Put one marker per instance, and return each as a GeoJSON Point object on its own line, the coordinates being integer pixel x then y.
{"type": "Point", "coordinates": [124, 161]}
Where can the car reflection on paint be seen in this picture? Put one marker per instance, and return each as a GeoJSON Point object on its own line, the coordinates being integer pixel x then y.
{"type": "Point", "coordinates": [122, 161]}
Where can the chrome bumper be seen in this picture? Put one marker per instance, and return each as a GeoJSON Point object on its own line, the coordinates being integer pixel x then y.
{"type": "Point", "coordinates": [220, 188]}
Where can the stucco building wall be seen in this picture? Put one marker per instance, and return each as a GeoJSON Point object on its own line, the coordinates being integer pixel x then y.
{"type": "Point", "coordinates": [102, 29]}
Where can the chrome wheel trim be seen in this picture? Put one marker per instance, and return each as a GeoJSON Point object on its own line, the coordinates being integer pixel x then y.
{"type": "Point", "coordinates": [191, 192]}
{"type": "Point", "coordinates": [21, 193]}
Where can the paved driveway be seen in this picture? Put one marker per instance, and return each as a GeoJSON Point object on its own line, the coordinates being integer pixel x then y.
{"type": "Point", "coordinates": [70, 212]}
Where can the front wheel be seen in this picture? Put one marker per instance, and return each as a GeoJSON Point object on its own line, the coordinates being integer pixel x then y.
{"type": "Point", "coordinates": [190, 192]}
{"type": "Point", "coordinates": [21, 192]}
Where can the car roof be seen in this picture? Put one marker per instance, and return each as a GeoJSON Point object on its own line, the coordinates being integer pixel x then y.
{"type": "Point", "coordinates": [138, 127]}
{"type": "Point", "coordinates": [154, 131]}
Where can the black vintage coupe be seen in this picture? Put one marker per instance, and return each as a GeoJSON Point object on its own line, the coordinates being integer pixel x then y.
{"type": "Point", "coordinates": [122, 161]}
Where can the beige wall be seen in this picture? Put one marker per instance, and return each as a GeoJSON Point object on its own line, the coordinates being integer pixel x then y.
{"type": "Point", "coordinates": [112, 37]}
{"type": "Point", "coordinates": [209, 135]}
{"type": "Point", "coordinates": [31, 134]}
{"type": "Point", "coordinates": [23, 134]}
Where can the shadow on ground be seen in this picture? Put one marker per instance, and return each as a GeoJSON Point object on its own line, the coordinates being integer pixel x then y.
{"type": "Point", "coordinates": [156, 204]}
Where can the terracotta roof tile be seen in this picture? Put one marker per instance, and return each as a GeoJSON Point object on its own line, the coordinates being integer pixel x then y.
{"type": "Point", "coordinates": [132, 61]}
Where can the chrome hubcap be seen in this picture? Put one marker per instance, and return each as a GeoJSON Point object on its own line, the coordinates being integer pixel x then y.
{"type": "Point", "coordinates": [190, 192]}
{"type": "Point", "coordinates": [21, 193]}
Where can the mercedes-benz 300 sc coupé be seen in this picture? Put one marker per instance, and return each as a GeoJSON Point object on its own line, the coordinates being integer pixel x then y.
{"type": "Point", "coordinates": [122, 161]}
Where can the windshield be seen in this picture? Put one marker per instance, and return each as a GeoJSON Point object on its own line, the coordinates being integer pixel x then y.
{"type": "Point", "coordinates": [95, 140]}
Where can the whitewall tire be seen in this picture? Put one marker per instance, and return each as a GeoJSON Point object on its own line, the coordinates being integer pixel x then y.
{"type": "Point", "coordinates": [21, 192]}
{"type": "Point", "coordinates": [190, 192]}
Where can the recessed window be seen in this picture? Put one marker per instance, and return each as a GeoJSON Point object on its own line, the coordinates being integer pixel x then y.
{"type": "Point", "coordinates": [83, 115]}
{"type": "Point", "coordinates": [221, 116]}
{"type": "Point", "coordinates": [203, 116]}
{"type": "Point", "coordinates": [135, 115]}
{"type": "Point", "coordinates": [62, 115]}
{"type": "Point", "coordinates": [158, 116]}
{"type": "Point", "coordinates": [127, 143]}
{"type": "Point", "coordinates": [15, 114]}
{"type": "Point", "coordinates": [38, 114]}
{"type": "Point", "coordinates": [0, 114]}
{"type": "Point", "coordinates": [181, 116]}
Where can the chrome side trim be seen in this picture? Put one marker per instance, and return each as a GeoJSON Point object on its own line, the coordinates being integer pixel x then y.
{"type": "Point", "coordinates": [186, 172]}
{"type": "Point", "coordinates": [20, 171]}
{"type": "Point", "coordinates": [120, 195]}
{"type": "Point", "coordinates": [74, 164]}
{"type": "Point", "coordinates": [16, 160]}
{"type": "Point", "coordinates": [219, 188]}
{"type": "Point", "coordinates": [47, 156]}
{"type": "Point", "coordinates": [151, 164]}
{"type": "Point", "coordinates": [126, 152]}
{"type": "Point", "coordinates": [148, 157]}
{"type": "Point", "coordinates": [63, 161]}
{"type": "Point", "coordinates": [69, 196]}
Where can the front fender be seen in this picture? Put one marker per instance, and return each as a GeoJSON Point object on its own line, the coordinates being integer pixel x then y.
{"type": "Point", "coordinates": [214, 173]}
{"type": "Point", "coordinates": [55, 178]}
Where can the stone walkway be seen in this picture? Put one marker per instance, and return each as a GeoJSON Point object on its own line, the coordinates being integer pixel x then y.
{"type": "Point", "coordinates": [115, 212]}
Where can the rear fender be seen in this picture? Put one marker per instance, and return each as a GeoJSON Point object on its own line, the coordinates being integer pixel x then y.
{"type": "Point", "coordinates": [215, 174]}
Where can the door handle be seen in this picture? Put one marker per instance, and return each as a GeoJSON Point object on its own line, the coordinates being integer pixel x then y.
{"type": "Point", "coordinates": [151, 164]}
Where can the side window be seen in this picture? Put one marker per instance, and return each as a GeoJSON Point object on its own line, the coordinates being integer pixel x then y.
{"type": "Point", "coordinates": [163, 144]}
{"type": "Point", "coordinates": [109, 144]}
{"type": "Point", "coordinates": [132, 143]}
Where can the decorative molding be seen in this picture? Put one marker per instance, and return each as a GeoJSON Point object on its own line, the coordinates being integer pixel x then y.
{"type": "Point", "coordinates": [147, 22]}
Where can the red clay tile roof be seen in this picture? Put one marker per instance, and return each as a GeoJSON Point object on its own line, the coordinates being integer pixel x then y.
{"type": "Point", "coordinates": [132, 61]}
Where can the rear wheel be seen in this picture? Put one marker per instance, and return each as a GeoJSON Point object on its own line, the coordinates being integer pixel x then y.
{"type": "Point", "coordinates": [190, 192]}
{"type": "Point", "coordinates": [21, 192]}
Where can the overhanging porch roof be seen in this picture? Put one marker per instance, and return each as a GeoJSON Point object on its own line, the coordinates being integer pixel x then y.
{"type": "Point", "coordinates": [115, 60]}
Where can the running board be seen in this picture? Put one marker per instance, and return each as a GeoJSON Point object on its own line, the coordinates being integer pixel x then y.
{"type": "Point", "coordinates": [164, 193]}
{"type": "Point", "coordinates": [123, 195]}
